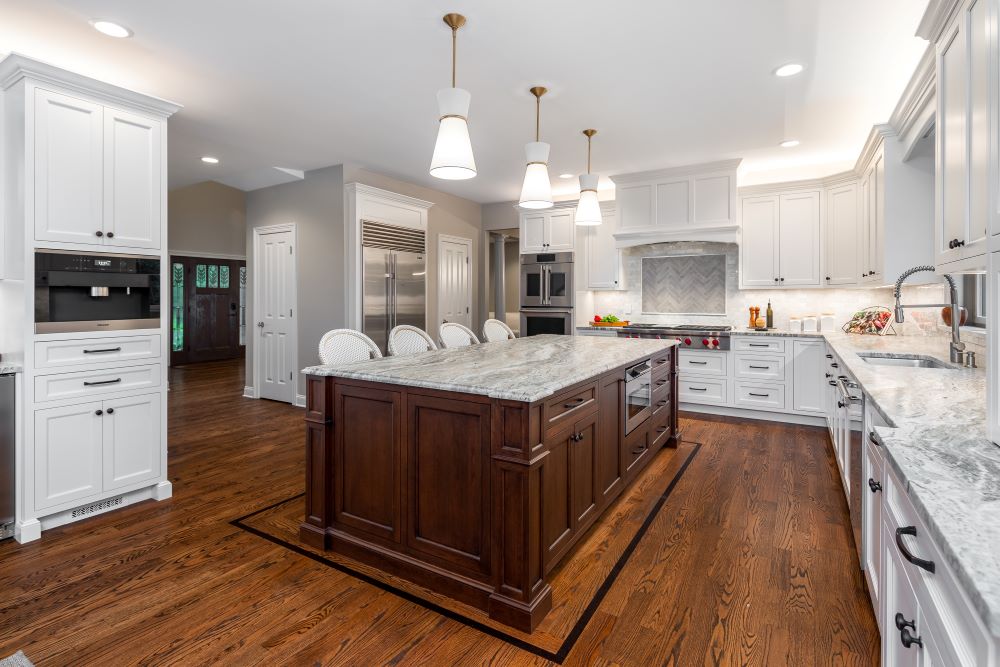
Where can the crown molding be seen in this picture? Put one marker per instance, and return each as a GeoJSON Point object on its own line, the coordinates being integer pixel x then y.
{"type": "Point", "coordinates": [719, 167]}
{"type": "Point", "coordinates": [877, 135]}
{"type": "Point", "coordinates": [16, 67]}
{"type": "Point", "coordinates": [355, 188]}
{"type": "Point", "coordinates": [920, 92]}
{"type": "Point", "coordinates": [841, 178]}
{"type": "Point", "coordinates": [936, 18]}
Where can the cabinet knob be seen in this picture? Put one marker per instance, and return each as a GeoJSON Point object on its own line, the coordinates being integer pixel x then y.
{"type": "Point", "coordinates": [111, 411]}
{"type": "Point", "coordinates": [775, 280]}
{"type": "Point", "coordinates": [874, 486]}
{"type": "Point", "coordinates": [98, 412]}
{"type": "Point", "coordinates": [828, 277]}
{"type": "Point", "coordinates": [99, 233]}
{"type": "Point", "coordinates": [782, 280]}
{"type": "Point", "coordinates": [111, 235]}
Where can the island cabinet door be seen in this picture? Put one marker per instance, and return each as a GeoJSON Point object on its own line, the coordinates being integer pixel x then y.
{"type": "Point", "coordinates": [610, 471]}
{"type": "Point", "coordinates": [583, 484]}
{"type": "Point", "coordinates": [556, 509]}
{"type": "Point", "coordinates": [367, 460]}
{"type": "Point", "coordinates": [448, 482]}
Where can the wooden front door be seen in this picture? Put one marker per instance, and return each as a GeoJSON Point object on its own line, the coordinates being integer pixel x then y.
{"type": "Point", "coordinates": [207, 306]}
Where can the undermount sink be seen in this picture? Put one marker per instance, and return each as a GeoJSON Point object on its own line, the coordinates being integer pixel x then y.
{"type": "Point", "coordinates": [905, 360]}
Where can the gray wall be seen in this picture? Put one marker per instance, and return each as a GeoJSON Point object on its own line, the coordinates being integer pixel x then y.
{"type": "Point", "coordinates": [450, 215]}
{"type": "Point", "coordinates": [316, 206]}
{"type": "Point", "coordinates": [207, 218]}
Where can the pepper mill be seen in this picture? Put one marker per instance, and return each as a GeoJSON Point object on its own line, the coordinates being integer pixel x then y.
{"type": "Point", "coordinates": [752, 318]}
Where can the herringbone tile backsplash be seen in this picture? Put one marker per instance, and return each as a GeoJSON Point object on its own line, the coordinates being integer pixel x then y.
{"type": "Point", "coordinates": [684, 284]}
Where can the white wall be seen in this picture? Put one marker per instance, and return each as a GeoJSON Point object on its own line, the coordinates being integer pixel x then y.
{"type": "Point", "coordinates": [207, 219]}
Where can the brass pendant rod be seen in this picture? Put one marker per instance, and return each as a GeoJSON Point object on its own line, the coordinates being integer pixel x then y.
{"type": "Point", "coordinates": [589, 134]}
{"type": "Point", "coordinates": [538, 117]}
{"type": "Point", "coordinates": [454, 51]}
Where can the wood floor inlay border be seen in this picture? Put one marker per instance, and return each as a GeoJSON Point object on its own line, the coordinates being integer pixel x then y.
{"type": "Point", "coordinates": [557, 656]}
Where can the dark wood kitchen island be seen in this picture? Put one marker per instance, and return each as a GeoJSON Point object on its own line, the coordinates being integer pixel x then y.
{"type": "Point", "coordinates": [473, 471]}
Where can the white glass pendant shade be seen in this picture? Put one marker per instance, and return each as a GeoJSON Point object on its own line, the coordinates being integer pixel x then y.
{"type": "Point", "coordinates": [453, 159]}
{"type": "Point", "coordinates": [588, 209]}
{"type": "Point", "coordinates": [536, 192]}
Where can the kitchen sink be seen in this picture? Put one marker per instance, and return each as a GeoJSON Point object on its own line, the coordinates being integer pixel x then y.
{"type": "Point", "coordinates": [905, 360]}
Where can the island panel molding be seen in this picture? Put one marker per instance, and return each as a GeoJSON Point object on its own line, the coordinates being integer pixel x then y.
{"type": "Point", "coordinates": [474, 496]}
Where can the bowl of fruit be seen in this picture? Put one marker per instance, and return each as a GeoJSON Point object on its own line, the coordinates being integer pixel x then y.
{"type": "Point", "coordinates": [608, 321]}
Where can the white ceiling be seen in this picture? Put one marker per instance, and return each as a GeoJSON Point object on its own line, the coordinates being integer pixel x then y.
{"type": "Point", "coordinates": [309, 83]}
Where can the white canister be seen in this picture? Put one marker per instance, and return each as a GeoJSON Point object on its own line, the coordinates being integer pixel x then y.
{"type": "Point", "coordinates": [827, 323]}
{"type": "Point", "coordinates": [809, 324]}
{"type": "Point", "coordinates": [795, 324]}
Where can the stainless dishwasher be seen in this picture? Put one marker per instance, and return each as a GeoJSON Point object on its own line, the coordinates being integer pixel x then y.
{"type": "Point", "coordinates": [6, 456]}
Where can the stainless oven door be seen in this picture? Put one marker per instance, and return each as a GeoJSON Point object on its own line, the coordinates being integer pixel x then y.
{"type": "Point", "coordinates": [547, 285]}
{"type": "Point", "coordinates": [638, 396]}
{"type": "Point", "coordinates": [537, 321]}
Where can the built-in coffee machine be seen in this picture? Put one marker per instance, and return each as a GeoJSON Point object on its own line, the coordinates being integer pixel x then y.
{"type": "Point", "coordinates": [96, 292]}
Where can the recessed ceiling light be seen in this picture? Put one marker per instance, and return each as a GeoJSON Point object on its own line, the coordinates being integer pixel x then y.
{"type": "Point", "coordinates": [210, 160]}
{"type": "Point", "coordinates": [789, 143]}
{"type": "Point", "coordinates": [565, 175]}
{"type": "Point", "coordinates": [791, 69]}
{"type": "Point", "coordinates": [110, 28]}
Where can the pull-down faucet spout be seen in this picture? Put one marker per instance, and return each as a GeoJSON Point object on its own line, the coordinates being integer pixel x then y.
{"type": "Point", "coordinates": [957, 347]}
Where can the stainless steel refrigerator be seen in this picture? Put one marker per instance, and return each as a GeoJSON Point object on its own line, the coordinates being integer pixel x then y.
{"type": "Point", "coordinates": [394, 274]}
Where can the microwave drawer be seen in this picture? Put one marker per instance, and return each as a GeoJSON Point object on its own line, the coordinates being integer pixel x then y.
{"type": "Point", "coordinates": [80, 384]}
{"type": "Point", "coordinates": [79, 352]}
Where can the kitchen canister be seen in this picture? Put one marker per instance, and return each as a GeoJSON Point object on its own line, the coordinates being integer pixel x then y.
{"type": "Point", "coordinates": [795, 324]}
{"type": "Point", "coordinates": [827, 323]}
{"type": "Point", "coordinates": [809, 324]}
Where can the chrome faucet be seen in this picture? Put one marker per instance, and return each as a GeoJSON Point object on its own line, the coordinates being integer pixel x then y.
{"type": "Point", "coordinates": [957, 347]}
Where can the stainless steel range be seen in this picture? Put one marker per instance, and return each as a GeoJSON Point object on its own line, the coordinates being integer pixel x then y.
{"type": "Point", "coordinates": [695, 336]}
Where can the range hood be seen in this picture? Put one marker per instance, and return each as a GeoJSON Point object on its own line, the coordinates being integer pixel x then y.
{"type": "Point", "coordinates": [690, 203]}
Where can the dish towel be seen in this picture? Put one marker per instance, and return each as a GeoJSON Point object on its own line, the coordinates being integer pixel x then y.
{"type": "Point", "coordinates": [16, 660]}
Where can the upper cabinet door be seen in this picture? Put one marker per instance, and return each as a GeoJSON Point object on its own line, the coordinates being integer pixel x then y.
{"type": "Point", "coordinates": [532, 232]}
{"type": "Point", "coordinates": [603, 259]}
{"type": "Point", "coordinates": [759, 247]}
{"type": "Point", "coordinates": [798, 240]}
{"type": "Point", "coordinates": [979, 29]}
{"type": "Point", "coordinates": [560, 230]}
{"type": "Point", "coordinates": [952, 154]}
{"type": "Point", "coordinates": [842, 236]}
{"type": "Point", "coordinates": [132, 184]}
{"type": "Point", "coordinates": [68, 169]}
{"type": "Point", "coordinates": [635, 206]}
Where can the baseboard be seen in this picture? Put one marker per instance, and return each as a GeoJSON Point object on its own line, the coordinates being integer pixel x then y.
{"type": "Point", "coordinates": [784, 417]}
{"type": "Point", "coordinates": [300, 400]}
{"type": "Point", "coordinates": [163, 490]}
{"type": "Point", "coordinates": [27, 531]}
{"type": "Point", "coordinates": [248, 392]}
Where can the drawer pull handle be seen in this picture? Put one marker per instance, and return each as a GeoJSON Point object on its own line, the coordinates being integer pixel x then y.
{"type": "Point", "coordinates": [760, 368]}
{"type": "Point", "coordinates": [698, 388]}
{"type": "Point", "coordinates": [832, 383]}
{"type": "Point", "coordinates": [661, 403]}
{"type": "Point", "coordinates": [759, 344]}
{"type": "Point", "coordinates": [759, 395]}
{"type": "Point", "coordinates": [102, 382]}
{"type": "Point", "coordinates": [107, 349]}
{"type": "Point", "coordinates": [874, 486]}
{"type": "Point", "coordinates": [660, 383]}
{"type": "Point", "coordinates": [835, 365]}
{"type": "Point", "coordinates": [697, 363]}
{"type": "Point", "coordinates": [662, 429]}
{"type": "Point", "coordinates": [661, 361]}
{"type": "Point", "coordinates": [907, 554]}
{"type": "Point", "coordinates": [636, 452]}
{"type": "Point", "coordinates": [829, 356]}
{"type": "Point", "coordinates": [574, 403]}
{"type": "Point", "coordinates": [873, 438]}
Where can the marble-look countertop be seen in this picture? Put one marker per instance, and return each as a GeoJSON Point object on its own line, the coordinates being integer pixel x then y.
{"type": "Point", "coordinates": [7, 368]}
{"type": "Point", "coordinates": [937, 445]}
{"type": "Point", "coordinates": [737, 331]}
{"type": "Point", "coordinates": [523, 369]}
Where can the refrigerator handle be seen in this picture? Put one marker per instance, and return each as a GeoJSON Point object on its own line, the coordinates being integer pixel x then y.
{"type": "Point", "coordinates": [394, 314]}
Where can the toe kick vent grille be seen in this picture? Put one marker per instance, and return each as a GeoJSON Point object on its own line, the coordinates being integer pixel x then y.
{"type": "Point", "coordinates": [100, 506]}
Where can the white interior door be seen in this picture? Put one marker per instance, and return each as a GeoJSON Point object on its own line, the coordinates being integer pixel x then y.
{"type": "Point", "coordinates": [274, 287]}
{"type": "Point", "coordinates": [454, 289]}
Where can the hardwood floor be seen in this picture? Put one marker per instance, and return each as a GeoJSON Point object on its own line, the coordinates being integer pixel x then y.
{"type": "Point", "coordinates": [748, 561]}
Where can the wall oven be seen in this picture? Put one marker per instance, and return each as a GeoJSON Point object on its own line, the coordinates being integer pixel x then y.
{"type": "Point", "coordinates": [95, 292]}
{"type": "Point", "coordinates": [538, 321]}
{"type": "Point", "coordinates": [638, 395]}
{"type": "Point", "coordinates": [547, 280]}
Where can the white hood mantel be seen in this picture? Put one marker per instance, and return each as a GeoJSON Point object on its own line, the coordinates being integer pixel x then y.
{"type": "Point", "coordinates": [690, 203]}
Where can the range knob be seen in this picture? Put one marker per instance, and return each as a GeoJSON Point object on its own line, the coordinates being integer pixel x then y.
{"type": "Point", "coordinates": [687, 341]}
{"type": "Point", "coordinates": [715, 342]}
{"type": "Point", "coordinates": [705, 342]}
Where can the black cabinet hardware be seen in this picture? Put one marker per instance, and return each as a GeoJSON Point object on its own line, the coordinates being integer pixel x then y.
{"type": "Point", "coordinates": [759, 395]}
{"type": "Point", "coordinates": [662, 429]}
{"type": "Point", "coordinates": [698, 388]}
{"type": "Point", "coordinates": [828, 375]}
{"type": "Point", "coordinates": [102, 382]}
{"type": "Point", "coordinates": [98, 412]}
{"type": "Point", "coordinates": [908, 640]}
{"type": "Point", "coordinates": [832, 383]}
{"type": "Point", "coordinates": [828, 277]}
{"type": "Point", "coordinates": [874, 486]}
{"type": "Point", "coordinates": [660, 383]}
{"type": "Point", "coordinates": [775, 280]}
{"type": "Point", "coordinates": [111, 411]}
{"type": "Point", "coordinates": [874, 439]}
{"type": "Point", "coordinates": [758, 345]}
{"type": "Point", "coordinates": [575, 402]}
{"type": "Point", "coordinates": [636, 452]}
{"type": "Point", "coordinates": [107, 349]}
{"type": "Point", "coordinates": [782, 280]}
{"type": "Point", "coordinates": [697, 363]}
{"type": "Point", "coordinates": [902, 623]}
{"type": "Point", "coordinates": [840, 404]}
{"type": "Point", "coordinates": [111, 235]}
{"type": "Point", "coordinates": [829, 356]}
{"type": "Point", "coordinates": [760, 368]}
{"type": "Point", "coordinates": [99, 233]}
{"type": "Point", "coordinates": [835, 365]}
{"type": "Point", "coordinates": [907, 554]}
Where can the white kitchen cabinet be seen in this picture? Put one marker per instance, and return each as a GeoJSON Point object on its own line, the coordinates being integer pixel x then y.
{"type": "Point", "coordinates": [841, 252]}
{"type": "Point", "coordinates": [635, 205]}
{"type": "Point", "coordinates": [808, 382]}
{"type": "Point", "coordinates": [873, 221]}
{"type": "Point", "coordinates": [603, 259]}
{"type": "Point", "coordinates": [902, 600]}
{"type": "Point", "coordinates": [131, 440]}
{"type": "Point", "coordinates": [132, 182]}
{"type": "Point", "coordinates": [993, 351]}
{"type": "Point", "coordinates": [550, 231]}
{"type": "Point", "coordinates": [872, 496]}
{"type": "Point", "coordinates": [798, 239]}
{"type": "Point", "coordinates": [67, 453]}
{"type": "Point", "coordinates": [759, 246]}
{"type": "Point", "coordinates": [68, 176]}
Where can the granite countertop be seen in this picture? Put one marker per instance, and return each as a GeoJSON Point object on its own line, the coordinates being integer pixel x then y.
{"type": "Point", "coordinates": [10, 367]}
{"type": "Point", "coordinates": [743, 331]}
{"type": "Point", "coordinates": [523, 369]}
{"type": "Point", "coordinates": [937, 445]}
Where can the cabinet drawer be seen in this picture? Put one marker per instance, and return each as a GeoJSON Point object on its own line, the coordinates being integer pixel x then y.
{"type": "Point", "coordinates": [661, 362]}
{"type": "Point", "coordinates": [759, 343]}
{"type": "Point", "coordinates": [754, 395]}
{"type": "Point", "coordinates": [661, 398]}
{"type": "Point", "coordinates": [635, 448]}
{"type": "Point", "coordinates": [95, 383]}
{"type": "Point", "coordinates": [703, 363]}
{"type": "Point", "coordinates": [570, 405]}
{"type": "Point", "coordinates": [659, 431]}
{"type": "Point", "coordinates": [701, 390]}
{"type": "Point", "coordinates": [60, 353]}
{"type": "Point", "coordinates": [758, 367]}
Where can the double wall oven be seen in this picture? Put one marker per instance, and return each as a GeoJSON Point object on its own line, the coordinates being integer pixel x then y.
{"type": "Point", "coordinates": [547, 293]}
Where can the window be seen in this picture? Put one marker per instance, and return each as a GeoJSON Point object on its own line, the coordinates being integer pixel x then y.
{"type": "Point", "coordinates": [213, 276]}
{"type": "Point", "coordinates": [223, 276]}
{"type": "Point", "coordinates": [243, 305]}
{"type": "Point", "coordinates": [201, 276]}
{"type": "Point", "coordinates": [177, 307]}
{"type": "Point", "coordinates": [972, 296]}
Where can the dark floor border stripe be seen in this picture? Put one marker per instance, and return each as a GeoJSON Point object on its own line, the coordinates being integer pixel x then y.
{"type": "Point", "coordinates": [574, 634]}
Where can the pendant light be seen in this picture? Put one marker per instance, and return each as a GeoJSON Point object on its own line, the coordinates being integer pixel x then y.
{"type": "Point", "coordinates": [588, 209]}
{"type": "Point", "coordinates": [536, 192]}
{"type": "Point", "coordinates": [453, 159]}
